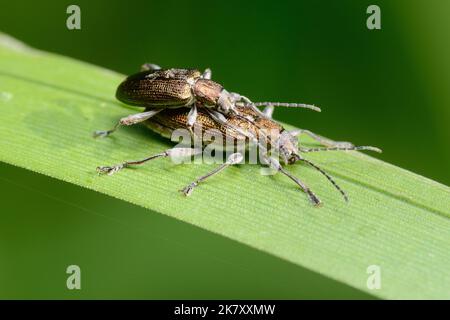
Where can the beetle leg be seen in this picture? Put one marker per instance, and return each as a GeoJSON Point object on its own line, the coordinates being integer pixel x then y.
{"type": "Point", "coordinates": [207, 74]}
{"type": "Point", "coordinates": [322, 140]}
{"type": "Point", "coordinates": [173, 153]}
{"type": "Point", "coordinates": [248, 102]}
{"type": "Point", "coordinates": [191, 118]}
{"type": "Point", "coordinates": [128, 121]}
{"type": "Point", "coordinates": [150, 67]}
{"type": "Point", "coordinates": [243, 101]}
{"type": "Point", "coordinates": [220, 119]}
{"type": "Point", "coordinates": [235, 158]}
{"type": "Point", "coordinates": [277, 166]}
{"type": "Point", "coordinates": [268, 111]}
{"type": "Point", "coordinates": [217, 116]}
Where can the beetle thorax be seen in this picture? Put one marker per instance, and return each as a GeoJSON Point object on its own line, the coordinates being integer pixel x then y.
{"type": "Point", "coordinates": [207, 92]}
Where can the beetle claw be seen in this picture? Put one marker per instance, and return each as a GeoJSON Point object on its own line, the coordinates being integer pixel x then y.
{"type": "Point", "coordinates": [100, 134]}
{"type": "Point", "coordinates": [187, 191]}
{"type": "Point", "coordinates": [109, 170]}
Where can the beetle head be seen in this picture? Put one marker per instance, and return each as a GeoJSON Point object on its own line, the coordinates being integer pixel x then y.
{"type": "Point", "coordinates": [288, 147]}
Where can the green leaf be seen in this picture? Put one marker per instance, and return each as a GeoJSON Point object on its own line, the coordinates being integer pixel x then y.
{"type": "Point", "coordinates": [397, 220]}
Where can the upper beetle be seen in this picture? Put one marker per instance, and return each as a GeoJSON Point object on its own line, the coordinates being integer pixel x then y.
{"type": "Point", "coordinates": [157, 89]}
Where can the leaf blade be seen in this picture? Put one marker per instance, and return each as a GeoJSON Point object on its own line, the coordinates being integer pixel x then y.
{"type": "Point", "coordinates": [50, 105]}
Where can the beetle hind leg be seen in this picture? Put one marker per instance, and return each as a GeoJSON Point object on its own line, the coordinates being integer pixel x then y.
{"type": "Point", "coordinates": [173, 153]}
{"type": "Point", "coordinates": [128, 121]}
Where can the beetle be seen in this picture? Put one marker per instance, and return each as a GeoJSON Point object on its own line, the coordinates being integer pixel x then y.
{"type": "Point", "coordinates": [252, 125]}
{"type": "Point", "coordinates": [157, 89]}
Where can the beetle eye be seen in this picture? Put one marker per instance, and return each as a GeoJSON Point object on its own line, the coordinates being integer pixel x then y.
{"type": "Point", "coordinates": [294, 158]}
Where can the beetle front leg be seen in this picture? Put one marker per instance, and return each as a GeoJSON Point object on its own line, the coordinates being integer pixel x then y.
{"type": "Point", "coordinates": [128, 121]}
{"type": "Point", "coordinates": [235, 158]}
{"type": "Point", "coordinates": [150, 67]}
{"type": "Point", "coordinates": [207, 74]}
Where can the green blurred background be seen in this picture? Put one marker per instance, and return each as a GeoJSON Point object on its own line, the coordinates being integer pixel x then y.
{"type": "Point", "coordinates": [389, 88]}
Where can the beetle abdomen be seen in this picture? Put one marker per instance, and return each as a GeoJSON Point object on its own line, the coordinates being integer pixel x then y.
{"type": "Point", "coordinates": [154, 93]}
{"type": "Point", "coordinates": [163, 88]}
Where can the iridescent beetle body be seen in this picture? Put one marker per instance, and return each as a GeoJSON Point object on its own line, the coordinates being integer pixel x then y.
{"type": "Point", "coordinates": [186, 98]}
{"type": "Point", "coordinates": [244, 127]}
{"type": "Point", "coordinates": [169, 88]}
{"type": "Point", "coordinates": [157, 89]}
{"type": "Point", "coordinates": [141, 90]}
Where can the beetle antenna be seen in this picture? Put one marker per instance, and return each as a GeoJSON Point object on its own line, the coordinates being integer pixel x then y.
{"type": "Point", "coordinates": [353, 148]}
{"type": "Point", "coordinates": [283, 104]}
{"type": "Point", "coordinates": [314, 199]}
{"type": "Point", "coordinates": [327, 176]}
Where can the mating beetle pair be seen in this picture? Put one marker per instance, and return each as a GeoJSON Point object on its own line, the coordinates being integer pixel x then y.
{"type": "Point", "coordinates": [185, 99]}
{"type": "Point", "coordinates": [157, 89]}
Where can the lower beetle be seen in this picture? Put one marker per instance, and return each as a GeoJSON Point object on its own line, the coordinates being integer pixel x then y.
{"type": "Point", "coordinates": [157, 89]}
{"type": "Point", "coordinates": [251, 124]}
